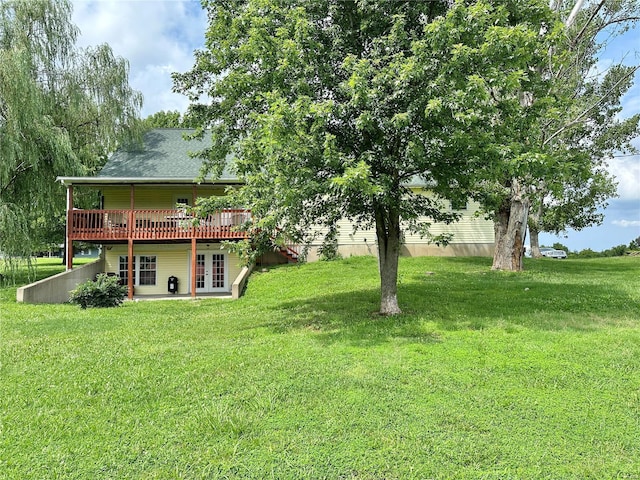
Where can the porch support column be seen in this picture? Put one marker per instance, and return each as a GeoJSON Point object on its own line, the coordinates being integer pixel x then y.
{"type": "Point", "coordinates": [68, 251]}
{"type": "Point", "coordinates": [193, 267]}
{"type": "Point", "coordinates": [130, 270]}
{"type": "Point", "coordinates": [194, 194]}
{"type": "Point", "coordinates": [131, 217]}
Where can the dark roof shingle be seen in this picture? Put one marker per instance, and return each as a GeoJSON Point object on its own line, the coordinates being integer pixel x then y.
{"type": "Point", "coordinates": [164, 153]}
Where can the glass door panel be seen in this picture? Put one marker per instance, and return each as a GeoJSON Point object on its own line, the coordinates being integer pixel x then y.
{"type": "Point", "coordinates": [211, 272]}
{"type": "Point", "coordinates": [217, 271]}
{"type": "Point", "coordinates": [200, 272]}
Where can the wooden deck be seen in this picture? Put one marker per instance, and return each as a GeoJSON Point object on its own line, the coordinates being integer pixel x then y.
{"type": "Point", "coordinates": [168, 225]}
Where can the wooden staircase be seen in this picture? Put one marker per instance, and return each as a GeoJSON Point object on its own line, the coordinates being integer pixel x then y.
{"type": "Point", "coordinates": [288, 252]}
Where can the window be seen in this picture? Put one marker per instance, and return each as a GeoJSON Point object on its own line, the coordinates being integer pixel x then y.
{"type": "Point", "coordinates": [458, 204]}
{"type": "Point", "coordinates": [147, 271]}
{"type": "Point", "coordinates": [144, 269]}
{"type": "Point", "coordinates": [124, 268]}
{"type": "Point", "coordinates": [181, 200]}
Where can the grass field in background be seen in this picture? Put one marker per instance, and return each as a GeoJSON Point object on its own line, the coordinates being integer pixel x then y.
{"type": "Point", "coordinates": [42, 267]}
{"type": "Point", "coordinates": [486, 375]}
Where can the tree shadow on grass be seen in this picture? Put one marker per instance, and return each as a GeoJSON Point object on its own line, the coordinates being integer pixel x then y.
{"type": "Point", "coordinates": [454, 301]}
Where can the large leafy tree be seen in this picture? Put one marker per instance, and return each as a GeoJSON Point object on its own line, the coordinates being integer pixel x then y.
{"type": "Point", "coordinates": [62, 110]}
{"type": "Point", "coordinates": [557, 167]}
{"type": "Point", "coordinates": [168, 119]}
{"type": "Point", "coordinates": [332, 108]}
{"type": "Point", "coordinates": [589, 133]}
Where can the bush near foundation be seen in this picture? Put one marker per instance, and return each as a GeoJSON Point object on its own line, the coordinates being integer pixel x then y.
{"type": "Point", "coordinates": [105, 291]}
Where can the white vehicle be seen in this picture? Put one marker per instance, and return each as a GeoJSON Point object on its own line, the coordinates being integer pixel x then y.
{"type": "Point", "coordinates": [553, 253]}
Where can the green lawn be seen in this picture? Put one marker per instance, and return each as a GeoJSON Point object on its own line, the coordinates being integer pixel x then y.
{"type": "Point", "coordinates": [487, 375]}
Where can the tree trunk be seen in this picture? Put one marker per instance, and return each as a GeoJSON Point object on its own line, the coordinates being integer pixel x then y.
{"type": "Point", "coordinates": [535, 243]}
{"type": "Point", "coordinates": [534, 231]}
{"type": "Point", "coordinates": [388, 235]}
{"type": "Point", "coordinates": [510, 225]}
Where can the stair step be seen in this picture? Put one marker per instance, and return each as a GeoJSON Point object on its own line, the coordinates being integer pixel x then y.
{"type": "Point", "coordinates": [289, 254]}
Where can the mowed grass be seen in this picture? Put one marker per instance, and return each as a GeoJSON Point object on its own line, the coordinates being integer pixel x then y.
{"type": "Point", "coordinates": [486, 375]}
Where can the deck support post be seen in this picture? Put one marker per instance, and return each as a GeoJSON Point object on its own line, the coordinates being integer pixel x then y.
{"type": "Point", "coordinates": [68, 241]}
{"type": "Point", "coordinates": [131, 218]}
{"type": "Point", "coordinates": [193, 267]}
{"type": "Point", "coordinates": [130, 270]}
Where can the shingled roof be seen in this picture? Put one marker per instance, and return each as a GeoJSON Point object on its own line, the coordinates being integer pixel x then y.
{"type": "Point", "coordinates": [165, 156]}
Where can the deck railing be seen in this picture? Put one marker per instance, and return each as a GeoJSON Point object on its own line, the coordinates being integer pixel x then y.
{"type": "Point", "coordinates": [96, 225]}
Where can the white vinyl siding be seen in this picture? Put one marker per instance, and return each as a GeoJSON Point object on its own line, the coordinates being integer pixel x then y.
{"type": "Point", "coordinates": [470, 229]}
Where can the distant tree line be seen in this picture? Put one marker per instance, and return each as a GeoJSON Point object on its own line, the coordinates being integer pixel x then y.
{"type": "Point", "coordinates": [169, 119]}
{"type": "Point", "coordinates": [618, 251]}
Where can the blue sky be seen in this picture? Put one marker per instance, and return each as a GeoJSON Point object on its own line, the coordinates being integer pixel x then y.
{"type": "Point", "coordinates": [622, 216]}
{"type": "Point", "coordinates": [158, 37]}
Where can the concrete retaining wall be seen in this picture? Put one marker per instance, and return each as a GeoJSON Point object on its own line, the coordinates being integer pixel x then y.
{"type": "Point", "coordinates": [238, 285]}
{"type": "Point", "coordinates": [56, 289]}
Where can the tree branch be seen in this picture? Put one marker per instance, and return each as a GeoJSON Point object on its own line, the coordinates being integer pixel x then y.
{"type": "Point", "coordinates": [19, 169]}
{"type": "Point", "coordinates": [574, 13]}
{"type": "Point", "coordinates": [584, 27]}
{"type": "Point", "coordinates": [579, 118]}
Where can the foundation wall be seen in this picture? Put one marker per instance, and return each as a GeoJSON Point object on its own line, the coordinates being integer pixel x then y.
{"type": "Point", "coordinates": [56, 289]}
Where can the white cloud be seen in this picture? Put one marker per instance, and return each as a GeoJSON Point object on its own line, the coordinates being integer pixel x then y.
{"type": "Point", "coordinates": [626, 169]}
{"type": "Point", "coordinates": [156, 37]}
{"type": "Point", "coordinates": [626, 223]}
{"type": "Point", "coordinates": [631, 102]}
{"type": "Point", "coordinates": [599, 69]}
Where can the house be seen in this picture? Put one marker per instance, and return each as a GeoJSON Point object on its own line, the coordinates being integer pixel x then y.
{"type": "Point", "coordinates": [155, 248]}
{"type": "Point", "coordinates": [146, 239]}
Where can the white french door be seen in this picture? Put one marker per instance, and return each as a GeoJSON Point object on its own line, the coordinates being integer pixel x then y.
{"type": "Point", "coordinates": [211, 272]}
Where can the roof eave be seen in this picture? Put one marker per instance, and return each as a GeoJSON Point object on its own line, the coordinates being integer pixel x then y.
{"type": "Point", "coordinates": [66, 181]}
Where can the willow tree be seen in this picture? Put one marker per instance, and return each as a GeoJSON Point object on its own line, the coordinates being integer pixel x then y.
{"type": "Point", "coordinates": [62, 110]}
{"type": "Point", "coordinates": [331, 109]}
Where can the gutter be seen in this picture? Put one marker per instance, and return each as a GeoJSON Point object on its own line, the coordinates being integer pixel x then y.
{"type": "Point", "coordinates": [66, 181]}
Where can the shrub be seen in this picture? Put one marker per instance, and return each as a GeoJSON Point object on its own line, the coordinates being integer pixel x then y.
{"type": "Point", "coordinates": [105, 291]}
{"type": "Point", "coordinates": [618, 251]}
{"type": "Point", "coordinates": [328, 251]}
{"type": "Point", "coordinates": [588, 253]}
{"type": "Point", "coordinates": [559, 246]}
